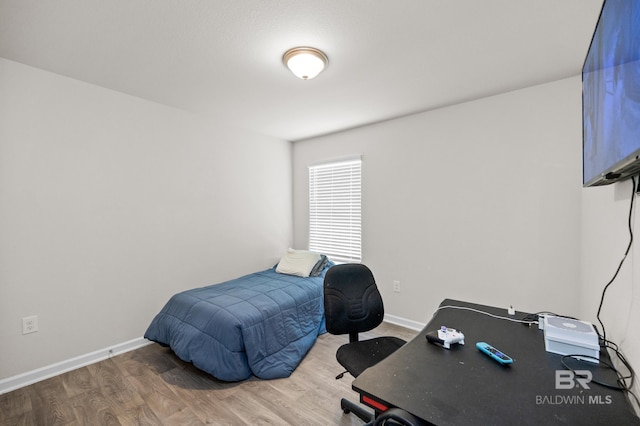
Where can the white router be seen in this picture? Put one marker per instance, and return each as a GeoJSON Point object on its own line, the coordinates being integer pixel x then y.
{"type": "Point", "coordinates": [566, 336]}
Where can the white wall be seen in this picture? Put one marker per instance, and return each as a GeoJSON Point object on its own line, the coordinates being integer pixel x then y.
{"type": "Point", "coordinates": [109, 204]}
{"type": "Point", "coordinates": [478, 201]}
{"type": "Point", "coordinates": [605, 216]}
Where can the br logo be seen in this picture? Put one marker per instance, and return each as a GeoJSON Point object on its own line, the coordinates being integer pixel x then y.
{"type": "Point", "coordinates": [566, 379]}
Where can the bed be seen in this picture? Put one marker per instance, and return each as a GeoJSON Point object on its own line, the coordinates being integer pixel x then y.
{"type": "Point", "coordinates": [260, 324]}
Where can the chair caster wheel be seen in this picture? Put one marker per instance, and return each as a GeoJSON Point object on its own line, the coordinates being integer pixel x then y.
{"type": "Point", "coordinates": [346, 411]}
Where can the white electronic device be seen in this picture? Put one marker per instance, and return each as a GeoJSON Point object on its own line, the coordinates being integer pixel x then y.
{"type": "Point", "coordinates": [566, 336]}
{"type": "Point", "coordinates": [445, 337]}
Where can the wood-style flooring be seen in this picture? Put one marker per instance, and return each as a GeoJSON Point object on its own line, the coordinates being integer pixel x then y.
{"type": "Point", "coordinates": [151, 386]}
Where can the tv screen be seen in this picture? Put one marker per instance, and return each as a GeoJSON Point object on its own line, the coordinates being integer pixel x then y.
{"type": "Point", "coordinates": [611, 96]}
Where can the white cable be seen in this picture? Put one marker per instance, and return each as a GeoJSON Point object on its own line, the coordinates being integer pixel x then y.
{"type": "Point", "coordinates": [487, 313]}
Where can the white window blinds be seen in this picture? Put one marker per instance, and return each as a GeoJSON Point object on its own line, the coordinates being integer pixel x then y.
{"type": "Point", "coordinates": [335, 210]}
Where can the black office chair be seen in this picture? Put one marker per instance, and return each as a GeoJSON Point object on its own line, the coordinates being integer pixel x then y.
{"type": "Point", "coordinates": [352, 304]}
{"type": "Point", "coordinates": [395, 417]}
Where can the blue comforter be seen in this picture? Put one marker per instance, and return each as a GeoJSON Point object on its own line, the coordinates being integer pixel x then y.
{"type": "Point", "coordinates": [261, 324]}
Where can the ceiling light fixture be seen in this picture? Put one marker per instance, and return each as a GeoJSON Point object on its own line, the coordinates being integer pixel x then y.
{"type": "Point", "coordinates": [305, 62]}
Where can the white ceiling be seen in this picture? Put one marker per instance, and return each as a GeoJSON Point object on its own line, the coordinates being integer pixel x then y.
{"type": "Point", "coordinates": [222, 58]}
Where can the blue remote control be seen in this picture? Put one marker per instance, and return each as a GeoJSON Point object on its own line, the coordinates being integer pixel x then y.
{"type": "Point", "coordinates": [492, 352]}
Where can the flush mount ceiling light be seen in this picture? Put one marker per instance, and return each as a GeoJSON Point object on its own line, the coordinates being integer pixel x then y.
{"type": "Point", "coordinates": [305, 62]}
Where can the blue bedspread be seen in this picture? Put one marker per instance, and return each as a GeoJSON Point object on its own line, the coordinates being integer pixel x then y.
{"type": "Point", "coordinates": [261, 324]}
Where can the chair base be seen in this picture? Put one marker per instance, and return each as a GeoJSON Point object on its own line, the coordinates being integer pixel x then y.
{"type": "Point", "coordinates": [357, 409]}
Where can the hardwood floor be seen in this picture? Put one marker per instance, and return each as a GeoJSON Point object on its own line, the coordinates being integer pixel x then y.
{"type": "Point", "coordinates": [151, 386]}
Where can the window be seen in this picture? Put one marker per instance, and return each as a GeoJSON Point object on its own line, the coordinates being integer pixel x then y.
{"type": "Point", "coordinates": [335, 210]}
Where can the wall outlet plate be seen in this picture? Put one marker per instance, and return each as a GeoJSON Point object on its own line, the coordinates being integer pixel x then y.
{"type": "Point", "coordinates": [30, 324]}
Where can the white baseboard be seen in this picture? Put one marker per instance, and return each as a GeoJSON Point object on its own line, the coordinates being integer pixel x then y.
{"type": "Point", "coordinates": [30, 377]}
{"type": "Point", "coordinates": [34, 376]}
{"type": "Point", "coordinates": [407, 323]}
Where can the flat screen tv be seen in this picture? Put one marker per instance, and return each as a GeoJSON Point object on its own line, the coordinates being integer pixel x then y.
{"type": "Point", "coordinates": [611, 96]}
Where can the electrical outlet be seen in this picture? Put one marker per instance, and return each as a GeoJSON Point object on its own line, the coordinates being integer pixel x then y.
{"type": "Point", "coordinates": [30, 324]}
{"type": "Point", "coordinates": [396, 286]}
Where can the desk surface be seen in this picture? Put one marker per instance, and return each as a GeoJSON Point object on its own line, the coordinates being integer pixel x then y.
{"type": "Point", "coordinates": [461, 386]}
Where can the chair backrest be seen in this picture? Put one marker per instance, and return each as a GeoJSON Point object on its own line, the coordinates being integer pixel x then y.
{"type": "Point", "coordinates": [352, 302]}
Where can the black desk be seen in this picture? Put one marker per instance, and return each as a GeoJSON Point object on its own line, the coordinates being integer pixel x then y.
{"type": "Point", "coordinates": [461, 386]}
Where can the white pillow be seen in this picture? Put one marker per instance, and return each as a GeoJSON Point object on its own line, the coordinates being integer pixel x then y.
{"type": "Point", "coordinates": [297, 262]}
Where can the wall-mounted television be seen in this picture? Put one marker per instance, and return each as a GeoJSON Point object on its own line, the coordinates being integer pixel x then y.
{"type": "Point", "coordinates": [611, 96]}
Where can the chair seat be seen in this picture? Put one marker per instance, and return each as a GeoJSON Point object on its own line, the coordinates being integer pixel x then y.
{"type": "Point", "coordinates": [356, 357]}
